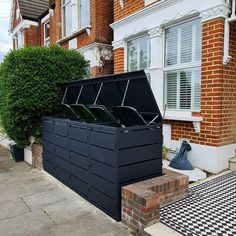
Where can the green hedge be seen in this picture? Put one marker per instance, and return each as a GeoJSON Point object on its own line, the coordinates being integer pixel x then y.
{"type": "Point", "coordinates": [29, 80]}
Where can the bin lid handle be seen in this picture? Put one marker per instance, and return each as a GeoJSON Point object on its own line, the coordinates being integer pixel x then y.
{"type": "Point", "coordinates": [153, 119]}
{"type": "Point", "coordinates": [80, 91]}
{"type": "Point", "coordinates": [64, 97]}
{"type": "Point", "coordinates": [99, 91]}
{"type": "Point", "coordinates": [125, 94]}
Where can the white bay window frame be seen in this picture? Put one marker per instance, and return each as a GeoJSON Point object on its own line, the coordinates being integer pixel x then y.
{"type": "Point", "coordinates": [79, 15]}
{"type": "Point", "coordinates": [140, 37]}
{"type": "Point", "coordinates": [191, 67]}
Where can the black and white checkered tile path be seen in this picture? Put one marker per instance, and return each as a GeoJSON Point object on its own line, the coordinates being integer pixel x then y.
{"type": "Point", "coordinates": [209, 210]}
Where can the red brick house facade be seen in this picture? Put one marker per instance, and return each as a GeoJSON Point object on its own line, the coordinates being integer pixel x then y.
{"type": "Point", "coordinates": [188, 49]}
{"type": "Point", "coordinates": [73, 24]}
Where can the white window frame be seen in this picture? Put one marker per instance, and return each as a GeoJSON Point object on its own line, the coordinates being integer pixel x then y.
{"type": "Point", "coordinates": [77, 26]}
{"type": "Point", "coordinates": [46, 40]}
{"type": "Point", "coordinates": [80, 26]}
{"type": "Point", "coordinates": [170, 113]}
{"type": "Point", "coordinates": [19, 39]}
{"type": "Point", "coordinates": [62, 17]}
{"type": "Point", "coordinates": [148, 53]}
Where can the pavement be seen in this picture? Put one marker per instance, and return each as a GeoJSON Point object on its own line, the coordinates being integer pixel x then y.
{"type": "Point", "coordinates": [34, 203]}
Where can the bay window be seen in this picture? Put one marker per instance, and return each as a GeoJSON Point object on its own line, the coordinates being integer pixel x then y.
{"type": "Point", "coordinates": [183, 66]}
{"type": "Point", "coordinates": [75, 15]}
{"type": "Point", "coordinates": [138, 54]}
{"type": "Point", "coordinates": [67, 17]}
{"type": "Point", "coordinates": [84, 13]}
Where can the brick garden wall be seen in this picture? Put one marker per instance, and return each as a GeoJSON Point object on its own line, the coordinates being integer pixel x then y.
{"type": "Point", "coordinates": [141, 201]}
{"type": "Point", "coordinates": [37, 155]}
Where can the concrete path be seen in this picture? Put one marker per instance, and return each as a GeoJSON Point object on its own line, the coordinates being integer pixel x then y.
{"type": "Point", "coordinates": [34, 203]}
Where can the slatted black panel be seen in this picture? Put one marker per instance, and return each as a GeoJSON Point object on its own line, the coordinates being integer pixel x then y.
{"type": "Point", "coordinates": [103, 155]}
{"type": "Point", "coordinates": [139, 170]}
{"type": "Point", "coordinates": [79, 160]}
{"type": "Point", "coordinates": [139, 137]}
{"type": "Point", "coordinates": [96, 160]}
{"type": "Point", "coordinates": [139, 154]}
{"type": "Point", "coordinates": [61, 129]}
{"type": "Point", "coordinates": [79, 147]}
{"type": "Point", "coordinates": [104, 186]}
{"type": "Point", "coordinates": [104, 171]}
{"type": "Point", "coordinates": [78, 133]}
{"type": "Point", "coordinates": [103, 139]}
{"type": "Point", "coordinates": [80, 187]}
{"type": "Point", "coordinates": [63, 176]}
{"type": "Point", "coordinates": [104, 202]}
{"type": "Point", "coordinates": [80, 173]}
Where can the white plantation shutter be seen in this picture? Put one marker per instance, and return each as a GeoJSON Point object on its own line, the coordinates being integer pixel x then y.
{"type": "Point", "coordinates": [183, 51]}
{"type": "Point", "coordinates": [171, 46]}
{"type": "Point", "coordinates": [186, 43]}
{"type": "Point", "coordinates": [185, 90]}
{"type": "Point", "coordinates": [171, 84]}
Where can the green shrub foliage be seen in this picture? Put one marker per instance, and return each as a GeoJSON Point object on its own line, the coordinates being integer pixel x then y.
{"type": "Point", "coordinates": [29, 79]}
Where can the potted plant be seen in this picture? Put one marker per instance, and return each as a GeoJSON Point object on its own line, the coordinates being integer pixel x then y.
{"type": "Point", "coordinates": [17, 153]}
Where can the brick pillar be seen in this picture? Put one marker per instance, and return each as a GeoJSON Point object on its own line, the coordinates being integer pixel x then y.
{"type": "Point", "coordinates": [119, 54]}
{"type": "Point", "coordinates": [212, 81]}
{"type": "Point", "coordinates": [37, 154]}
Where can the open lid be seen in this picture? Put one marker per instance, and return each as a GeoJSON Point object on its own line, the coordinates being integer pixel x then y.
{"type": "Point", "coordinates": [127, 89]}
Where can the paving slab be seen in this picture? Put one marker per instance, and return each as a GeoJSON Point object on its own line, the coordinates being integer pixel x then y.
{"type": "Point", "coordinates": [88, 225]}
{"type": "Point", "coordinates": [26, 224]}
{"type": "Point", "coordinates": [67, 210]}
{"type": "Point", "coordinates": [13, 208]}
{"type": "Point", "coordinates": [50, 197]}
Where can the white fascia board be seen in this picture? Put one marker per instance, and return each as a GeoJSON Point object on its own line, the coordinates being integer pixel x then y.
{"type": "Point", "coordinates": [46, 18]}
{"type": "Point", "coordinates": [160, 14]}
{"type": "Point", "coordinates": [24, 24]}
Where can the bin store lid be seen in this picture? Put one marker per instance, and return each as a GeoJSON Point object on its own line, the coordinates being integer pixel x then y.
{"type": "Point", "coordinates": [127, 89]}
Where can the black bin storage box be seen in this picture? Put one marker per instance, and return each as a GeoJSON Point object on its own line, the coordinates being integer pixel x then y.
{"type": "Point", "coordinates": [96, 160]}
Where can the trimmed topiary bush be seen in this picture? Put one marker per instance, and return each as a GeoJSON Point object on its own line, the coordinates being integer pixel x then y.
{"type": "Point", "coordinates": [29, 79]}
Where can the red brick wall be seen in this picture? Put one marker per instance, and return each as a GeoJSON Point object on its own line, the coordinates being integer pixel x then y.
{"type": "Point", "coordinates": [130, 7]}
{"type": "Point", "coordinates": [119, 60]}
{"type": "Point", "coordinates": [57, 21]}
{"type": "Point", "coordinates": [228, 128]}
{"type": "Point", "coordinates": [32, 36]}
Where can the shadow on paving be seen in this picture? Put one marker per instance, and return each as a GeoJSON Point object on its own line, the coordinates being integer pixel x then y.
{"type": "Point", "coordinates": [34, 203]}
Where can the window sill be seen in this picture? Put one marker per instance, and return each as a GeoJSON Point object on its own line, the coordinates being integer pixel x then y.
{"type": "Point", "coordinates": [190, 119]}
{"type": "Point", "coordinates": [74, 34]}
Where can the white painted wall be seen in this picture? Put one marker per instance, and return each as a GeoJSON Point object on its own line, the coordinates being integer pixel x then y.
{"type": "Point", "coordinates": [28, 155]}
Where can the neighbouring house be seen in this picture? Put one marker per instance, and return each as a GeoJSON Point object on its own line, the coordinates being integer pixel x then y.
{"type": "Point", "coordinates": [188, 50]}
{"type": "Point", "coordinates": [80, 25]}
